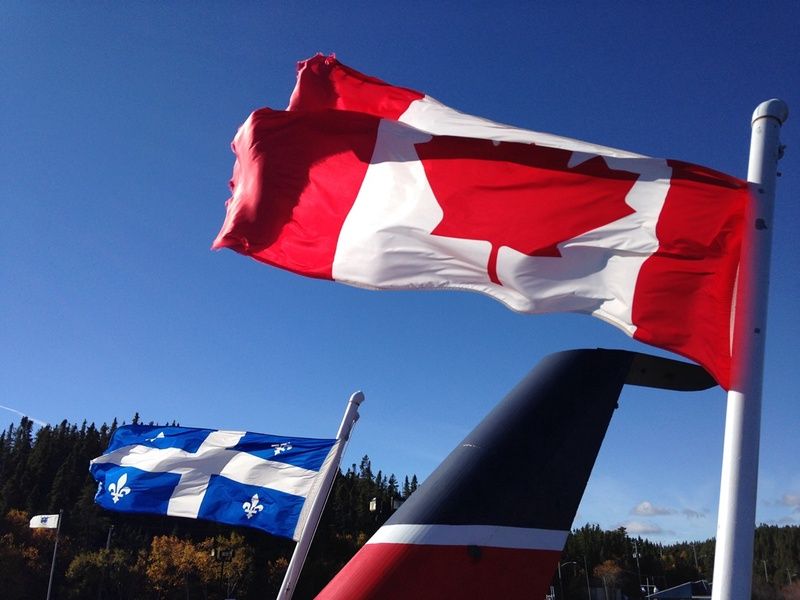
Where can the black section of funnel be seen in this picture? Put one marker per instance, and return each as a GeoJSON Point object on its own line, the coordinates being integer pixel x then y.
{"type": "Point", "coordinates": [653, 371]}
{"type": "Point", "coordinates": [527, 463]}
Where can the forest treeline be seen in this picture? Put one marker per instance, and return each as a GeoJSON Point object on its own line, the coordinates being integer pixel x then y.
{"type": "Point", "coordinates": [102, 554]}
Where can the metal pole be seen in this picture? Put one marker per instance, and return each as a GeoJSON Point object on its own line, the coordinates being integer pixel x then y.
{"type": "Point", "coordinates": [560, 581]}
{"type": "Point", "coordinates": [586, 572]}
{"type": "Point", "coordinates": [55, 549]}
{"type": "Point", "coordinates": [221, 572]}
{"type": "Point", "coordinates": [318, 502]}
{"type": "Point", "coordinates": [105, 564]}
{"type": "Point", "coordinates": [733, 565]}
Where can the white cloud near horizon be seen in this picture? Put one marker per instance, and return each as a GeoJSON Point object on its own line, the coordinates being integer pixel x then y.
{"type": "Point", "coordinates": [639, 528]}
{"type": "Point", "coordinates": [791, 500]}
{"type": "Point", "coordinates": [648, 509]}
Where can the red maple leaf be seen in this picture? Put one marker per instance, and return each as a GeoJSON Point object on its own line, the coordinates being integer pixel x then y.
{"type": "Point", "coordinates": [520, 195]}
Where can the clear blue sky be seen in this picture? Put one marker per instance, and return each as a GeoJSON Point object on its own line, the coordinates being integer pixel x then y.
{"type": "Point", "coordinates": [115, 125]}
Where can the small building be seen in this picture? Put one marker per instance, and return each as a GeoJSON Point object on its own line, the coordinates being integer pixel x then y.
{"type": "Point", "coordinates": [691, 590]}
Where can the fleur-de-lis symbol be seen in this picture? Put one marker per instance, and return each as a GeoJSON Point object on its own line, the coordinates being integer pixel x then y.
{"type": "Point", "coordinates": [278, 448]}
{"type": "Point", "coordinates": [252, 508]}
{"type": "Point", "coordinates": [119, 489]}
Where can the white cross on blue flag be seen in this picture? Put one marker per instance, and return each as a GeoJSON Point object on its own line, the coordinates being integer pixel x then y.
{"type": "Point", "coordinates": [233, 477]}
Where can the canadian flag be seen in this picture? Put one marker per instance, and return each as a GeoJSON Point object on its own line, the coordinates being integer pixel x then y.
{"type": "Point", "coordinates": [380, 186]}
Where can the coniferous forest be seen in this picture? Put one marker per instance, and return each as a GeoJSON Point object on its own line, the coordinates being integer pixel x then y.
{"type": "Point", "coordinates": [103, 554]}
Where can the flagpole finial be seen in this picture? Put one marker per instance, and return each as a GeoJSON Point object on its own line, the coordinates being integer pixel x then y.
{"type": "Point", "coordinates": [350, 415]}
{"type": "Point", "coordinates": [774, 108]}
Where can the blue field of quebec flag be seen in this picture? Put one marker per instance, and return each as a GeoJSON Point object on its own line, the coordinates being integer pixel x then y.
{"type": "Point", "coordinates": [233, 477]}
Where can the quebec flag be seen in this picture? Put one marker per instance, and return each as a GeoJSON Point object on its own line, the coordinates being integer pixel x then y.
{"type": "Point", "coordinates": [233, 477]}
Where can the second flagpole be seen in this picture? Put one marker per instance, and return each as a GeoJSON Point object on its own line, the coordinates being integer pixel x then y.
{"type": "Point", "coordinates": [319, 500]}
{"type": "Point", "coordinates": [55, 550]}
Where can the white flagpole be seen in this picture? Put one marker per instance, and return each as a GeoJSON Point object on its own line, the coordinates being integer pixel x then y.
{"type": "Point", "coordinates": [319, 501]}
{"type": "Point", "coordinates": [55, 549]}
{"type": "Point", "coordinates": [737, 499]}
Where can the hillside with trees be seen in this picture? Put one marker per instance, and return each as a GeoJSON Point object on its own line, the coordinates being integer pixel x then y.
{"type": "Point", "coordinates": [103, 554]}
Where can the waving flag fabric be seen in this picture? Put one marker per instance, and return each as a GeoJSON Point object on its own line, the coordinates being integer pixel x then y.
{"type": "Point", "coordinates": [234, 477]}
{"type": "Point", "coordinates": [44, 522]}
{"type": "Point", "coordinates": [380, 186]}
